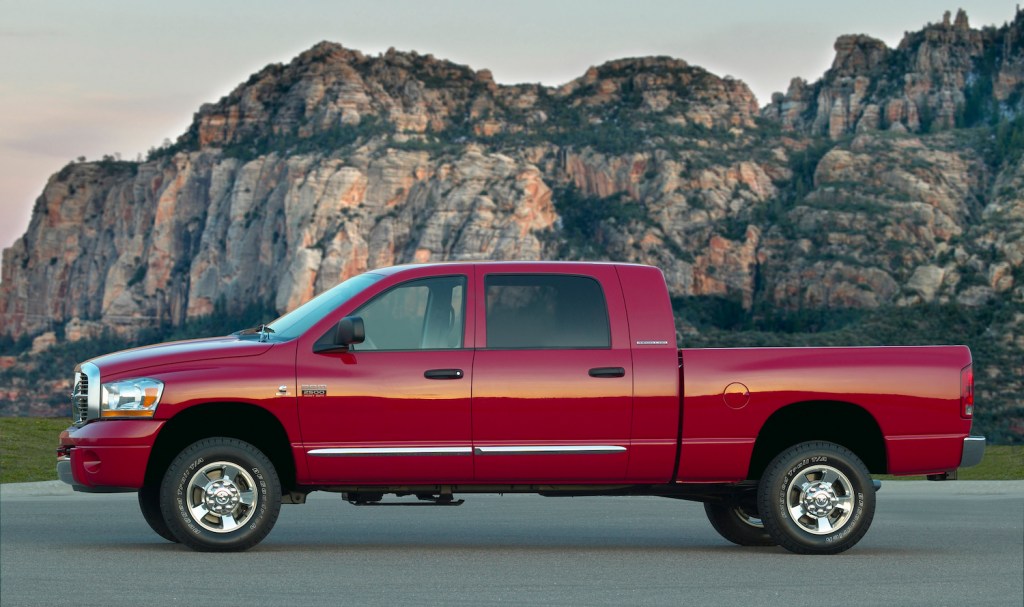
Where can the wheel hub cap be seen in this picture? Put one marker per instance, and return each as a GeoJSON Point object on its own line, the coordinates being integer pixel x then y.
{"type": "Point", "coordinates": [820, 500]}
{"type": "Point", "coordinates": [221, 497]}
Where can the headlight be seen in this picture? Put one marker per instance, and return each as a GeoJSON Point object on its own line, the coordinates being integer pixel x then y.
{"type": "Point", "coordinates": [130, 398]}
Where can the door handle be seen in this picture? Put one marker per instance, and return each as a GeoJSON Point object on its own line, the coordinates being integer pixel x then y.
{"type": "Point", "coordinates": [443, 374]}
{"type": "Point", "coordinates": [607, 372]}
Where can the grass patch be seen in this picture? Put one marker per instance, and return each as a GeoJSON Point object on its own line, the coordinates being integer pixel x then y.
{"type": "Point", "coordinates": [1001, 463]}
{"type": "Point", "coordinates": [28, 448]}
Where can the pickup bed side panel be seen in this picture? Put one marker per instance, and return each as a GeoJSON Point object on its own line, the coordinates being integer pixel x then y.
{"type": "Point", "coordinates": [913, 393]}
{"type": "Point", "coordinates": [656, 401]}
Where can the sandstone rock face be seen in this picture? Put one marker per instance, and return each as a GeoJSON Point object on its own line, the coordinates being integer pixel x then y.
{"type": "Point", "coordinates": [272, 229]}
{"type": "Point", "coordinates": [933, 80]}
{"type": "Point", "coordinates": [44, 341]}
{"type": "Point", "coordinates": [78, 329]}
{"type": "Point", "coordinates": [858, 54]}
{"type": "Point", "coordinates": [330, 90]}
{"type": "Point", "coordinates": [881, 241]}
{"type": "Point", "coordinates": [926, 281]}
{"type": "Point", "coordinates": [333, 164]}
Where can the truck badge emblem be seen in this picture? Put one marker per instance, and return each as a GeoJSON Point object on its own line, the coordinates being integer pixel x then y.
{"type": "Point", "coordinates": [314, 390]}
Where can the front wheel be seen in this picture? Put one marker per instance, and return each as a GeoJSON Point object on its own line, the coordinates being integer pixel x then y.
{"type": "Point", "coordinates": [220, 495]}
{"type": "Point", "coordinates": [816, 498]}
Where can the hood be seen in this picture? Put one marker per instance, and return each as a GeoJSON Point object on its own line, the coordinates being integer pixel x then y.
{"type": "Point", "coordinates": [171, 353]}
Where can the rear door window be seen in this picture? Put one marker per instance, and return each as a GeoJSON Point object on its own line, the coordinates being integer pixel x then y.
{"type": "Point", "coordinates": [545, 311]}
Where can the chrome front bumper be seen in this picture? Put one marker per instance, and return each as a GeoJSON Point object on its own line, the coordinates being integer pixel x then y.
{"type": "Point", "coordinates": [64, 470]}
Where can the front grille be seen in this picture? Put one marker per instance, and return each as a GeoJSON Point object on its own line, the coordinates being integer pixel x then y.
{"type": "Point", "coordinates": [80, 398]}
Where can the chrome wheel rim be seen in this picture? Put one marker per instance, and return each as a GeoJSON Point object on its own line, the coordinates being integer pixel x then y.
{"type": "Point", "coordinates": [820, 500]}
{"type": "Point", "coordinates": [221, 497]}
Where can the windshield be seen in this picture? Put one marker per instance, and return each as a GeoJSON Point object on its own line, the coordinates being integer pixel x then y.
{"type": "Point", "coordinates": [299, 320]}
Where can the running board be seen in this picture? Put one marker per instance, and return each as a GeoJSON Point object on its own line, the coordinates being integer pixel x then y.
{"type": "Point", "coordinates": [425, 499]}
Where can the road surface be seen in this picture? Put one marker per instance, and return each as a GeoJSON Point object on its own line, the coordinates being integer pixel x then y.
{"type": "Point", "coordinates": [952, 543]}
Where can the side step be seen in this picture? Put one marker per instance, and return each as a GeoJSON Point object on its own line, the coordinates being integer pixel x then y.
{"type": "Point", "coordinates": [425, 499]}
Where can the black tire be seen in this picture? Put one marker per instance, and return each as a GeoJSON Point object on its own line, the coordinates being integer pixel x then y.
{"type": "Point", "coordinates": [816, 498]}
{"type": "Point", "coordinates": [738, 524]}
{"type": "Point", "coordinates": [220, 495]}
{"type": "Point", "coordinates": [149, 504]}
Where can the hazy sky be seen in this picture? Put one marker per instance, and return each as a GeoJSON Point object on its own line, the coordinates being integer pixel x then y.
{"type": "Point", "coordinates": [97, 77]}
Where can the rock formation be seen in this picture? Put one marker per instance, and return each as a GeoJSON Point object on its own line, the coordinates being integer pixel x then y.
{"type": "Point", "coordinates": [945, 76]}
{"type": "Point", "coordinates": [339, 162]}
{"type": "Point", "coordinates": [858, 191]}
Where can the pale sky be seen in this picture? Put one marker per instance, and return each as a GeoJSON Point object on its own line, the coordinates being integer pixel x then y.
{"type": "Point", "coordinates": [87, 78]}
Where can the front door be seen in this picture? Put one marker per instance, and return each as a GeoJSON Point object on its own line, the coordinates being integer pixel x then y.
{"type": "Point", "coordinates": [396, 408]}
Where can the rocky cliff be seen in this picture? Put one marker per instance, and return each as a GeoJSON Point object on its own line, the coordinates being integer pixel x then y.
{"type": "Point", "coordinates": [339, 162]}
{"type": "Point", "coordinates": [894, 182]}
{"type": "Point", "coordinates": [945, 76]}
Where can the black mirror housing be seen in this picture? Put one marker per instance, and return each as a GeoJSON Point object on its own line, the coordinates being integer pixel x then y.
{"type": "Point", "coordinates": [349, 331]}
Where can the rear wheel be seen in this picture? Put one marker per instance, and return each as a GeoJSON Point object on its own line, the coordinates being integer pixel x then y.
{"type": "Point", "coordinates": [740, 524]}
{"type": "Point", "coordinates": [149, 503]}
{"type": "Point", "coordinates": [816, 498]}
{"type": "Point", "coordinates": [220, 495]}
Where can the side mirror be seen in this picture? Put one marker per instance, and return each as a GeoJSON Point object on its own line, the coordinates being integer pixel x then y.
{"type": "Point", "coordinates": [349, 331]}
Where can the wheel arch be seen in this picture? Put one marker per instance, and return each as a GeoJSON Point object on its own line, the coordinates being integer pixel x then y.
{"type": "Point", "coordinates": [848, 425]}
{"type": "Point", "coordinates": [261, 429]}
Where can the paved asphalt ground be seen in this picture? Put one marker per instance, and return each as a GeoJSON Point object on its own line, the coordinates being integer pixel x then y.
{"type": "Point", "coordinates": [953, 543]}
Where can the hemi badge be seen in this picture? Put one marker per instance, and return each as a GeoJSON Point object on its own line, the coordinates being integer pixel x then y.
{"type": "Point", "coordinates": [314, 390]}
{"type": "Point", "coordinates": [651, 342]}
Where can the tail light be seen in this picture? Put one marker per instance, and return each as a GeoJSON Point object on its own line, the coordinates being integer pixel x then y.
{"type": "Point", "coordinates": [967, 391]}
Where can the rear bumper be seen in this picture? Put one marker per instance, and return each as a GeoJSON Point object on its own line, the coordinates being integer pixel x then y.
{"type": "Point", "coordinates": [974, 450]}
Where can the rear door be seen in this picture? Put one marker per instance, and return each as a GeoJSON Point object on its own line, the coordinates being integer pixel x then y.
{"type": "Point", "coordinates": [552, 377]}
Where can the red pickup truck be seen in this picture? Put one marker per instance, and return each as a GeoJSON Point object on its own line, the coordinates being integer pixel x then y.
{"type": "Point", "coordinates": [562, 379]}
